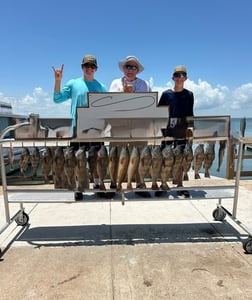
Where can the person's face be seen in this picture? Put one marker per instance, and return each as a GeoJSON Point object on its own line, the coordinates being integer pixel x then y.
{"type": "Point", "coordinates": [179, 77]}
{"type": "Point", "coordinates": [89, 69]}
{"type": "Point", "coordinates": [130, 70]}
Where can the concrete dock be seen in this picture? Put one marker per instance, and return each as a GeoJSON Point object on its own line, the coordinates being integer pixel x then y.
{"type": "Point", "coordinates": [99, 249]}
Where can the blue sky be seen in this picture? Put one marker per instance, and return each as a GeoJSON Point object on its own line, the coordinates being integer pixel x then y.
{"type": "Point", "coordinates": [211, 38]}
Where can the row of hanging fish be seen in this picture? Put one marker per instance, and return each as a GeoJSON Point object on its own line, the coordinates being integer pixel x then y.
{"type": "Point", "coordinates": [204, 156]}
{"type": "Point", "coordinates": [64, 165]}
{"type": "Point", "coordinates": [76, 169]}
{"type": "Point", "coordinates": [153, 162]}
{"type": "Point", "coordinates": [36, 158]}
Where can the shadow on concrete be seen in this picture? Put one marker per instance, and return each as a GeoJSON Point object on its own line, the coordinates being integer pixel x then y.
{"type": "Point", "coordinates": [130, 234]}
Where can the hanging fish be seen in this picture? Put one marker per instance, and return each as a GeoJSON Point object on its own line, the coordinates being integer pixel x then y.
{"type": "Point", "coordinates": [92, 159]}
{"type": "Point", "coordinates": [113, 166]}
{"type": "Point", "coordinates": [81, 170]}
{"type": "Point", "coordinates": [35, 161]}
{"type": "Point", "coordinates": [156, 164]}
{"type": "Point", "coordinates": [24, 161]}
{"type": "Point", "coordinates": [122, 166]}
{"type": "Point", "coordinates": [59, 177]}
{"type": "Point", "coordinates": [69, 167]}
{"type": "Point", "coordinates": [209, 158]}
{"type": "Point", "coordinates": [178, 159]}
{"type": "Point", "coordinates": [132, 166]}
{"type": "Point", "coordinates": [187, 160]}
{"type": "Point", "coordinates": [47, 160]}
{"type": "Point", "coordinates": [242, 126]}
{"type": "Point", "coordinates": [144, 165]}
{"type": "Point", "coordinates": [198, 160]}
{"type": "Point", "coordinates": [167, 166]}
{"type": "Point", "coordinates": [233, 154]}
{"type": "Point", "coordinates": [102, 165]}
{"type": "Point", "coordinates": [222, 147]}
{"type": "Point", "coordinates": [11, 158]}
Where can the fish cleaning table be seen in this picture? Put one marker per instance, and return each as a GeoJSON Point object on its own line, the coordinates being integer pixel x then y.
{"type": "Point", "coordinates": [108, 129]}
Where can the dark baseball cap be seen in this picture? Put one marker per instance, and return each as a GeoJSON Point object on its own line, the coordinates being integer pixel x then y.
{"type": "Point", "coordinates": [89, 59]}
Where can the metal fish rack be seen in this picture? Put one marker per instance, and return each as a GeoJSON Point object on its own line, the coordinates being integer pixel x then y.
{"type": "Point", "coordinates": [35, 132]}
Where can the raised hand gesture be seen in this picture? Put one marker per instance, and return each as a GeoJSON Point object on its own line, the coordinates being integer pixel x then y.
{"type": "Point", "coordinates": [58, 73]}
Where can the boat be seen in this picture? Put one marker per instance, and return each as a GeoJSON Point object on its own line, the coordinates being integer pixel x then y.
{"type": "Point", "coordinates": [249, 147]}
{"type": "Point", "coordinates": [8, 118]}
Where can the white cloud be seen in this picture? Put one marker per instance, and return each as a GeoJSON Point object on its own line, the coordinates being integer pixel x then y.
{"type": "Point", "coordinates": [242, 97]}
{"type": "Point", "coordinates": [40, 102]}
{"type": "Point", "coordinates": [218, 100]}
{"type": "Point", "coordinates": [209, 100]}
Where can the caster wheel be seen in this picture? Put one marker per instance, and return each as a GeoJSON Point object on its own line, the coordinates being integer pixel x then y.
{"type": "Point", "coordinates": [219, 214]}
{"type": "Point", "coordinates": [247, 245]}
{"type": "Point", "coordinates": [22, 219]}
{"type": "Point", "coordinates": [78, 196]}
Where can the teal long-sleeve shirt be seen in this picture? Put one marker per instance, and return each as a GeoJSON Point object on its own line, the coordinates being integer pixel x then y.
{"type": "Point", "coordinates": [76, 90]}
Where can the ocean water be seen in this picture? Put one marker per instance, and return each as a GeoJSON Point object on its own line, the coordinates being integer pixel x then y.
{"type": "Point", "coordinates": [235, 127]}
{"type": "Point", "coordinates": [246, 164]}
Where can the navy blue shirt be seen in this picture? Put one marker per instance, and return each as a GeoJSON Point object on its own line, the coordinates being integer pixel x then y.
{"type": "Point", "coordinates": [180, 104]}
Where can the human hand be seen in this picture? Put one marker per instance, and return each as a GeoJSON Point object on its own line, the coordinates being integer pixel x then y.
{"type": "Point", "coordinates": [127, 87]}
{"type": "Point", "coordinates": [58, 73]}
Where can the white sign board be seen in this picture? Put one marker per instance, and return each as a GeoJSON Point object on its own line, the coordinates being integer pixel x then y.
{"type": "Point", "coordinates": [107, 113]}
{"type": "Point", "coordinates": [136, 115]}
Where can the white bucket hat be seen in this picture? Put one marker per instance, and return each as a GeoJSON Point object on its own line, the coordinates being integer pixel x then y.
{"type": "Point", "coordinates": [128, 59]}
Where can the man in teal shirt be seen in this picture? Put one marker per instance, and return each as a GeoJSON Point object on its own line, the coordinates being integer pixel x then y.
{"type": "Point", "coordinates": [77, 89]}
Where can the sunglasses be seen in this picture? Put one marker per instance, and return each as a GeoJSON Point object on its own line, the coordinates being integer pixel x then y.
{"type": "Point", "coordinates": [179, 75]}
{"type": "Point", "coordinates": [129, 67]}
{"type": "Point", "coordinates": [92, 66]}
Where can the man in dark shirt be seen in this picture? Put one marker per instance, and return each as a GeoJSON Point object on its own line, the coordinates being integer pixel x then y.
{"type": "Point", "coordinates": [180, 103]}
